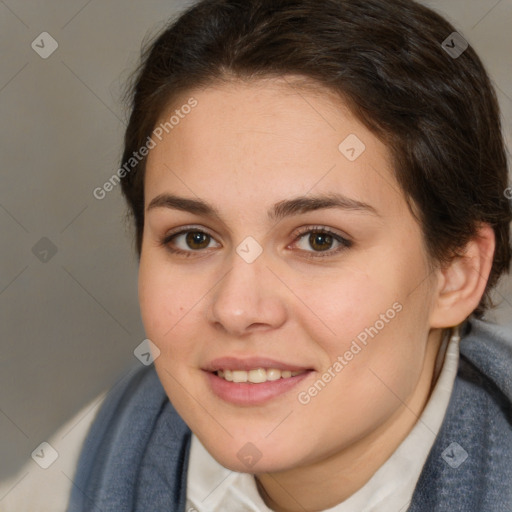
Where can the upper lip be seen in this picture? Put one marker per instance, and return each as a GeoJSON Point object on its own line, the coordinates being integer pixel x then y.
{"type": "Point", "coordinates": [250, 363]}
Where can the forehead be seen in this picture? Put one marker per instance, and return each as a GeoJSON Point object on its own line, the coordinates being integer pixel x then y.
{"type": "Point", "coordinates": [268, 140]}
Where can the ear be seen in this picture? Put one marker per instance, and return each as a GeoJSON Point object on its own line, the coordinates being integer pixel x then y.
{"type": "Point", "coordinates": [462, 282]}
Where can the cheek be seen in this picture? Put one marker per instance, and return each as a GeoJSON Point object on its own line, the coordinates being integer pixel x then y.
{"type": "Point", "coordinates": [172, 302]}
{"type": "Point", "coordinates": [153, 299]}
{"type": "Point", "coordinates": [164, 297]}
{"type": "Point", "coordinates": [372, 321]}
{"type": "Point", "coordinates": [348, 303]}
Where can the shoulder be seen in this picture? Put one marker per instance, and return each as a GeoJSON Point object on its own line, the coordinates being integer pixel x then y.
{"type": "Point", "coordinates": [78, 443]}
{"type": "Point", "coordinates": [487, 347]}
{"type": "Point", "coordinates": [470, 465]}
{"type": "Point", "coordinates": [136, 414]}
{"type": "Point", "coordinates": [46, 488]}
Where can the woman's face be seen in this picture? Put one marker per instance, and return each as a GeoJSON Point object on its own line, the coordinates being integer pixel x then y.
{"type": "Point", "coordinates": [274, 239]}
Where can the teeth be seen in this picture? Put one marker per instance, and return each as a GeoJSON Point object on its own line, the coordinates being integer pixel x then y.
{"type": "Point", "coordinates": [273, 374]}
{"type": "Point", "coordinates": [239, 376]}
{"type": "Point", "coordinates": [256, 376]}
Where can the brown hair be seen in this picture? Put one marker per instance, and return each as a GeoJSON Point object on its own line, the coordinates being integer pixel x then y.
{"type": "Point", "coordinates": [438, 115]}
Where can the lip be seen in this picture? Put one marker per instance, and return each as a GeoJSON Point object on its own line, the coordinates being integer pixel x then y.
{"type": "Point", "coordinates": [251, 363]}
{"type": "Point", "coordinates": [249, 394]}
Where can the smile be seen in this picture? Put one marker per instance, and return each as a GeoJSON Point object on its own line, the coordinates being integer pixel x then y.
{"type": "Point", "coordinates": [253, 387]}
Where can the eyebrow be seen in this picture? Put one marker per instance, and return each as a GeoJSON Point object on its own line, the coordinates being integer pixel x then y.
{"type": "Point", "coordinates": [285, 208]}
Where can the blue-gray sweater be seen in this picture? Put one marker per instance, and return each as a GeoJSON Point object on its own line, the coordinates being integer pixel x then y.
{"type": "Point", "coordinates": [135, 457]}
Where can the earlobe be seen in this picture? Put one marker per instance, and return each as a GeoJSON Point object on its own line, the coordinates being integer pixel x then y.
{"type": "Point", "coordinates": [462, 281]}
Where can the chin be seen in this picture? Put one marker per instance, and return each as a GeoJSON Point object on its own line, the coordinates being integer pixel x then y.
{"type": "Point", "coordinates": [247, 457]}
{"type": "Point", "coordinates": [259, 467]}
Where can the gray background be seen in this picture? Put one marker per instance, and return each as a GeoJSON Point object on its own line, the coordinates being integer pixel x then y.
{"type": "Point", "coordinates": [70, 324]}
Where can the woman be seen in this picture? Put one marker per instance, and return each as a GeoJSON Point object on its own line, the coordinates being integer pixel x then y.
{"type": "Point", "coordinates": [318, 196]}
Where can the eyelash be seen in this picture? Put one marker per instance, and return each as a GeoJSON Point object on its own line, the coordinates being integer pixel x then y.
{"type": "Point", "coordinates": [344, 242]}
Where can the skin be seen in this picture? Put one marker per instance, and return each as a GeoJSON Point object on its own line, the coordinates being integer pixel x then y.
{"type": "Point", "coordinates": [245, 148]}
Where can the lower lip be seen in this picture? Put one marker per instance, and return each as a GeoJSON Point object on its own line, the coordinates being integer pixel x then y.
{"type": "Point", "coordinates": [247, 393]}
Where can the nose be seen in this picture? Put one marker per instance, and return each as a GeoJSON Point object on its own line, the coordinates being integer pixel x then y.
{"type": "Point", "coordinates": [248, 298]}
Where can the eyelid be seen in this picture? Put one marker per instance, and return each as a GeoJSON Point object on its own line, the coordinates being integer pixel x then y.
{"type": "Point", "coordinates": [321, 229]}
{"type": "Point", "coordinates": [184, 229]}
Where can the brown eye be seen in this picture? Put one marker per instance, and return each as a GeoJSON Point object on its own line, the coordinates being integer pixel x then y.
{"type": "Point", "coordinates": [320, 241]}
{"type": "Point", "coordinates": [187, 242]}
{"type": "Point", "coordinates": [197, 240]}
